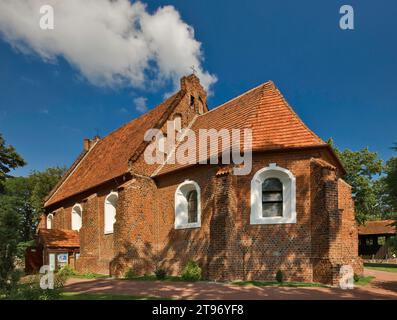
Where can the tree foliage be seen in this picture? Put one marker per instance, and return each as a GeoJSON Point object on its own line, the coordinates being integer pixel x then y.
{"type": "Point", "coordinates": [42, 183]}
{"type": "Point", "coordinates": [390, 180]}
{"type": "Point", "coordinates": [9, 219]}
{"type": "Point", "coordinates": [9, 238]}
{"type": "Point", "coordinates": [363, 172]}
{"type": "Point", "coordinates": [9, 159]}
{"type": "Point", "coordinates": [26, 197]}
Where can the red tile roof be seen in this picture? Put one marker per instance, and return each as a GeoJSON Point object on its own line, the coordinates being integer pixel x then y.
{"type": "Point", "coordinates": [264, 110]}
{"type": "Point", "coordinates": [377, 227]}
{"type": "Point", "coordinates": [108, 158]}
{"type": "Point", "coordinates": [56, 238]}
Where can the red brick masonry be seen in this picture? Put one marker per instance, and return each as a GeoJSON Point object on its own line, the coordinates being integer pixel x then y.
{"type": "Point", "coordinates": [226, 245]}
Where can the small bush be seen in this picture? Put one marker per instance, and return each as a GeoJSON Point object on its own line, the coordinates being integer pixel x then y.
{"type": "Point", "coordinates": [67, 271]}
{"type": "Point", "coordinates": [130, 274]}
{"type": "Point", "coordinates": [32, 290]}
{"type": "Point", "coordinates": [90, 275]}
{"type": "Point", "coordinates": [191, 272]}
{"type": "Point", "coordinates": [279, 276]}
{"type": "Point", "coordinates": [356, 277]}
{"type": "Point", "coordinates": [160, 274]}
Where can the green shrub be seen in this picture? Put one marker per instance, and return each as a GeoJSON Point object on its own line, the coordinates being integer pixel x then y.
{"type": "Point", "coordinates": [31, 290]}
{"type": "Point", "coordinates": [160, 274]}
{"type": "Point", "coordinates": [356, 277]}
{"type": "Point", "coordinates": [90, 275]}
{"type": "Point", "coordinates": [130, 274]}
{"type": "Point", "coordinates": [191, 272]}
{"type": "Point", "coordinates": [67, 271]}
{"type": "Point", "coordinates": [279, 276]}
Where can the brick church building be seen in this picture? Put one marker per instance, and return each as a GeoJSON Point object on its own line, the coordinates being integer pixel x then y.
{"type": "Point", "coordinates": [292, 212]}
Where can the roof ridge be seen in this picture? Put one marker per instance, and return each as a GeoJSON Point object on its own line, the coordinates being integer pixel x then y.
{"type": "Point", "coordinates": [141, 116]}
{"type": "Point", "coordinates": [254, 115]}
{"type": "Point", "coordinates": [177, 97]}
{"type": "Point", "coordinates": [155, 172]}
{"type": "Point", "coordinates": [70, 172]}
{"type": "Point", "coordinates": [161, 108]}
{"type": "Point", "coordinates": [295, 114]}
{"type": "Point", "coordinates": [269, 82]}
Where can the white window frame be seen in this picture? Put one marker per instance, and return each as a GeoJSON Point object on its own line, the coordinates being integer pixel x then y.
{"type": "Point", "coordinates": [77, 224]}
{"type": "Point", "coordinates": [289, 195]}
{"type": "Point", "coordinates": [50, 220]}
{"type": "Point", "coordinates": [106, 223]}
{"type": "Point", "coordinates": [181, 205]}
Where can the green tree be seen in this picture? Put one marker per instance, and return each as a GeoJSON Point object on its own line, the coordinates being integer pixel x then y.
{"type": "Point", "coordinates": [9, 219]}
{"type": "Point", "coordinates": [42, 183]}
{"type": "Point", "coordinates": [391, 181]}
{"type": "Point", "coordinates": [16, 196]}
{"type": "Point", "coordinates": [363, 170]}
{"type": "Point", "coordinates": [9, 159]}
{"type": "Point", "coordinates": [28, 195]}
{"type": "Point", "coordinates": [21, 205]}
{"type": "Point", "coordinates": [9, 238]}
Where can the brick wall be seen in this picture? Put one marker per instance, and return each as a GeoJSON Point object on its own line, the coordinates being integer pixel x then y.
{"type": "Point", "coordinates": [334, 229]}
{"type": "Point", "coordinates": [226, 245]}
{"type": "Point", "coordinates": [269, 248]}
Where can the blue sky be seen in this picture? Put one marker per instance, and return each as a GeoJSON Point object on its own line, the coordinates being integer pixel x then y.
{"type": "Point", "coordinates": [341, 83]}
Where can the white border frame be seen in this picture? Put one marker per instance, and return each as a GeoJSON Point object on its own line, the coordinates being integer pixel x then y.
{"type": "Point", "coordinates": [112, 193]}
{"type": "Point", "coordinates": [289, 195]}
{"type": "Point", "coordinates": [181, 205]}
{"type": "Point", "coordinates": [81, 215]}
{"type": "Point", "coordinates": [52, 220]}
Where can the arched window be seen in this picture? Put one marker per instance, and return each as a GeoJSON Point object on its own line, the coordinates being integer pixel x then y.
{"type": "Point", "coordinates": [50, 218]}
{"type": "Point", "coordinates": [273, 196]}
{"type": "Point", "coordinates": [110, 212]}
{"type": "Point", "coordinates": [77, 215]}
{"type": "Point", "coordinates": [192, 206]}
{"type": "Point", "coordinates": [187, 205]}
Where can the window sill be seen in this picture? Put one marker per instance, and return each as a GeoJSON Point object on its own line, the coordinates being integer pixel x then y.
{"type": "Point", "coordinates": [189, 226]}
{"type": "Point", "coordinates": [108, 232]}
{"type": "Point", "coordinates": [273, 220]}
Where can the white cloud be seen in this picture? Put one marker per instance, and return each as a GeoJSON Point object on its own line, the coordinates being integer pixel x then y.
{"type": "Point", "coordinates": [110, 42]}
{"type": "Point", "coordinates": [140, 104]}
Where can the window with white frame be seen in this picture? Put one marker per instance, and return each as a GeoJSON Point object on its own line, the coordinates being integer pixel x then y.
{"type": "Point", "coordinates": [50, 218]}
{"type": "Point", "coordinates": [187, 205]}
{"type": "Point", "coordinates": [273, 196]}
{"type": "Point", "coordinates": [77, 215]}
{"type": "Point", "coordinates": [110, 212]}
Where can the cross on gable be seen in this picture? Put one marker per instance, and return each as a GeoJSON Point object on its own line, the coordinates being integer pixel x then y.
{"type": "Point", "coordinates": [193, 70]}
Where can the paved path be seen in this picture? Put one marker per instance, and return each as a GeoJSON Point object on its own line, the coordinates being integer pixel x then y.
{"type": "Point", "coordinates": [383, 287]}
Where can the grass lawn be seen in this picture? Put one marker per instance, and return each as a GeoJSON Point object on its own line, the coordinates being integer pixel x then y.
{"type": "Point", "coordinates": [89, 275]}
{"type": "Point", "coordinates": [103, 296]}
{"type": "Point", "coordinates": [388, 269]}
{"type": "Point", "coordinates": [278, 284]}
{"type": "Point", "coordinates": [364, 281]}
